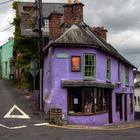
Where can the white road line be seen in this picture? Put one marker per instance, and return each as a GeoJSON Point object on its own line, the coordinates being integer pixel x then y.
{"type": "Point", "coordinates": [41, 124]}
{"type": "Point", "coordinates": [16, 127]}
{"type": "Point", "coordinates": [23, 116]}
{"type": "Point", "coordinates": [4, 126]}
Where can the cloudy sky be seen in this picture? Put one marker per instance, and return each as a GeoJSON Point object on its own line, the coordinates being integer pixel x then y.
{"type": "Point", "coordinates": [120, 17]}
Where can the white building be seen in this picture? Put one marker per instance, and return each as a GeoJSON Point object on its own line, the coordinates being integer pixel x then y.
{"type": "Point", "coordinates": [137, 92]}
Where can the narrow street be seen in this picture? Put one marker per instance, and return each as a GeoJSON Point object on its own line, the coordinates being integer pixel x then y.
{"type": "Point", "coordinates": [14, 127]}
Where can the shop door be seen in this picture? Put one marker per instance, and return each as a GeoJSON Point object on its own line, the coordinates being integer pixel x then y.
{"type": "Point", "coordinates": [110, 106]}
{"type": "Point", "coordinates": [121, 114]}
{"type": "Point", "coordinates": [125, 107]}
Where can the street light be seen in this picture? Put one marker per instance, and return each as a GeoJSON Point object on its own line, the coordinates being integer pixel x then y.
{"type": "Point", "coordinates": [39, 14]}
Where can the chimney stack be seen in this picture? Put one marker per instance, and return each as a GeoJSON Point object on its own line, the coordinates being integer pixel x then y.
{"type": "Point", "coordinates": [73, 13]}
{"type": "Point", "coordinates": [54, 25]}
{"type": "Point", "coordinates": [101, 32]}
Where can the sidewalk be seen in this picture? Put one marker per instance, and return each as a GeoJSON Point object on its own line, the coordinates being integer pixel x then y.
{"type": "Point", "coordinates": [121, 126]}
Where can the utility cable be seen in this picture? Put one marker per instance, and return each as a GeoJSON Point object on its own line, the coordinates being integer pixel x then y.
{"type": "Point", "coordinates": [1, 3]}
{"type": "Point", "coordinates": [6, 28]}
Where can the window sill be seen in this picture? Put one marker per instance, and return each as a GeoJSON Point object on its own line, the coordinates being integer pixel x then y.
{"type": "Point", "coordinates": [119, 83]}
{"type": "Point", "coordinates": [89, 79]}
{"type": "Point", "coordinates": [127, 85]}
{"type": "Point", "coordinates": [86, 114]}
{"type": "Point", "coordinates": [108, 81]}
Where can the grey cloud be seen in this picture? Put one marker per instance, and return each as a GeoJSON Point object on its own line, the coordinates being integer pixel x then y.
{"type": "Point", "coordinates": [116, 15]}
{"type": "Point", "coordinates": [5, 7]}
{"type": "Point", "coordinates": [134, 59]}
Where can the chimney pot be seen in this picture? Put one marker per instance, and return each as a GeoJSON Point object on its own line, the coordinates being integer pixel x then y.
{"type": "Point", "coordinates": [69, 1]}
{"type": "Point", "coordinates": [77, 1]}
{"type": "Point", "coordinates": [101, 32]}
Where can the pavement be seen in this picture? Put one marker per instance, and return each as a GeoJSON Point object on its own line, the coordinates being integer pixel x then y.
{"type": "Point", "coordinates": [121, 126]}
{"type": "Point", "coordinates": [114, 126]}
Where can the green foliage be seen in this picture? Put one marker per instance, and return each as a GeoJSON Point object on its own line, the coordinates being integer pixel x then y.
{"type": "Point", "coordinates": [25, 50]}
{"type": "Point", "coordinates": [24, 84]}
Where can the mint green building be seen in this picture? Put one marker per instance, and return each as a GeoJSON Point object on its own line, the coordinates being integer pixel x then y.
{"type": "Point", "coordinates": [6, 53]}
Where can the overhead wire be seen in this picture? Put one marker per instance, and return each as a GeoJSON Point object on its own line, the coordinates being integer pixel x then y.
{"type": "Point", "coordinates": [7, 28]}
{"type": "Point", "coordinates": [1, 3]}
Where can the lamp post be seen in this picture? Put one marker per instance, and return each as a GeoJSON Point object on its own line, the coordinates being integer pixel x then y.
{"type": "Point", "coordinates": [39, 10]}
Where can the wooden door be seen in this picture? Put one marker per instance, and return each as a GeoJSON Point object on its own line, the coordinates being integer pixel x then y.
{"type": "Point", "coordinates": [125, 107]}
{"type": "Point", "coordinates": [110, 106]}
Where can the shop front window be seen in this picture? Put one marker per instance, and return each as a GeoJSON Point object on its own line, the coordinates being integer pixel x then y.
{"type": "Point", "coordinates": [87, 100]}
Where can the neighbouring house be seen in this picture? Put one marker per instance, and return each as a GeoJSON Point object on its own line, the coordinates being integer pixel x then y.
{"type": "Point", "coordinates": [6, 56]}
{"type": "Point", "coordinates": [27, 12]}
{"type": "Point", "coordinates": [137, 94]}
{"type": "Point", "coordinates": [83, 74]}
{"type": "Point", "coordinates": [27, 32]}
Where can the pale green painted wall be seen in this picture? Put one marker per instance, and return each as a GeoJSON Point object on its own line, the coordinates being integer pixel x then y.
{"type": "Point", "coordinates": [6, 54]}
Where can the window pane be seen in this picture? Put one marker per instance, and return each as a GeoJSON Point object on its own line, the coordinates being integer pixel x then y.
{"type": "Point", "coordinates": [126, 75]}
{"type": "Point", "coordinates": [108, 69]}
{"type": "Point", "coordinates": [74, 100]}
{"type": "Point", "coordinates": [88, 99]}
{"type": "Point", "coordinates": [89, 65]}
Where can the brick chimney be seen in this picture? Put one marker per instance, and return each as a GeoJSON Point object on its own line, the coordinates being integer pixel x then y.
{"type": "Point", "coordinates": [73, 13]}
{"type": "Point", "coordinates": [101, 31]}
{"type": "Point", "coordinates": [54, 25]}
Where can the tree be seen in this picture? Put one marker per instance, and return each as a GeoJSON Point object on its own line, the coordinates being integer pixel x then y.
{"type": "Point", "coordinates": [25, 51]}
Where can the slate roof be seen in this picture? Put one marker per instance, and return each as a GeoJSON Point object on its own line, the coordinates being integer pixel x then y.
{"type": "Point", "coordinates": [82, 35]}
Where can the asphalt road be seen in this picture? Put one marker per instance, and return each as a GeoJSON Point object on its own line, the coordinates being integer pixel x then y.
{"type": "Point", "coordinates": [18, 128]}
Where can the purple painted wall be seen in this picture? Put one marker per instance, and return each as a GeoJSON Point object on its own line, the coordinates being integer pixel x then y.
{"type": "Point", "coordinates": [57, 69]}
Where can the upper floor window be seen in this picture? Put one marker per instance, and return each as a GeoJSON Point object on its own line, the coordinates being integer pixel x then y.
{"type": "Point", "coordinates": [126, 75]}
{"type": "Point", "coordinates": [119, 72]}
{"type": "Point", "coordinates": [46, 24]}
{"type": "Point", "coordinates": [89, 65]}
{"type": "Point", "coordinates": [108, 73]}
